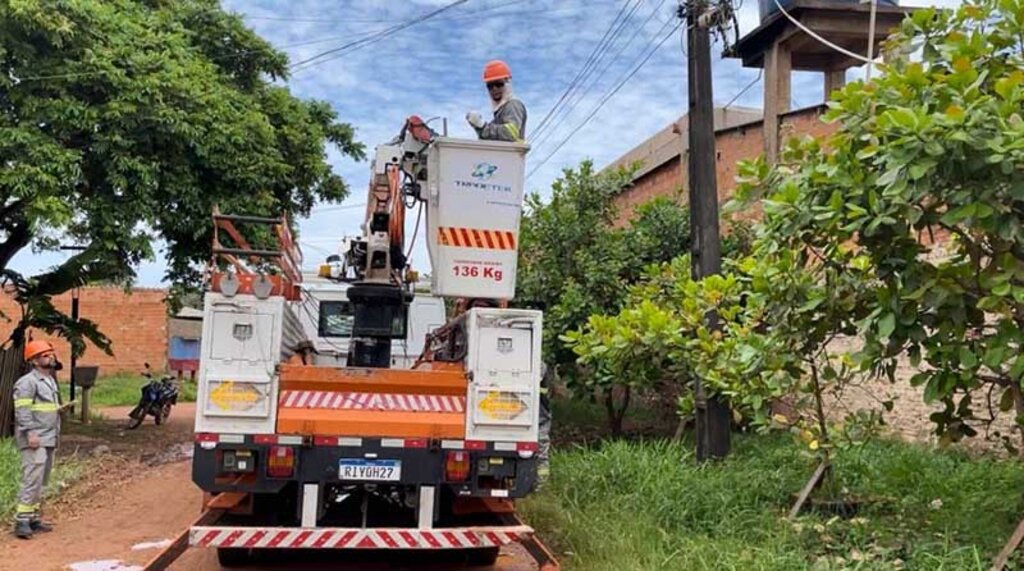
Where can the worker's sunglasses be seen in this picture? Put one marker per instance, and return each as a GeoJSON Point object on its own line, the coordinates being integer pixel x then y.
{"type": "Point", "coordinates": [495, 84]}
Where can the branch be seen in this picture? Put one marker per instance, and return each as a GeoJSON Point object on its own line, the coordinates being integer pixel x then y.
{"type": "Point", "coordinates": [18, 237]}
{"type": "Point", "coordinates": [970, 242]}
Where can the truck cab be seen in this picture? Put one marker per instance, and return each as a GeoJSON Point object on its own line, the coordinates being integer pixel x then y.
{"type": "Point", "coordinates": [326, 315]}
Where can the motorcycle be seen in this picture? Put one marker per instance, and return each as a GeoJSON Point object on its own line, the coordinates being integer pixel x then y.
{"type": "Point", "coordinates": [158, 396]}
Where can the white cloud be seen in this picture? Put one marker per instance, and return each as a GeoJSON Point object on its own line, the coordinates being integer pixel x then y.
{"type": "Point", "coordinates": [434, 68]}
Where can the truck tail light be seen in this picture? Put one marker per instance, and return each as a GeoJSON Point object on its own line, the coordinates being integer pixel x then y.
{"type": "Point", "coordinates": [281, 462]}
{"type": "Point", "coordinates": [456, 466]}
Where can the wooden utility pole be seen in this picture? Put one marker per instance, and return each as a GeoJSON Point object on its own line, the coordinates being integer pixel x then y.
{"type": "Point", "coordinates": [713, 415]}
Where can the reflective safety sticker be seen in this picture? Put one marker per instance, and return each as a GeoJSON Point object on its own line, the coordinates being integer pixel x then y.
{"type": "Point", "coordinates": [234, 396]}
{"type": "Point", "coordinates": [501, 405]}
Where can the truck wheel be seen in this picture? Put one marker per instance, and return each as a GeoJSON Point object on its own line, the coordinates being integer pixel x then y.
{"type": "Point", "coordinates": [482, 557]}
{"type": "Point", "coordinates": [233, 556]}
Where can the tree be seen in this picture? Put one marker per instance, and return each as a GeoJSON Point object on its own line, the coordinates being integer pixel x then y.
{"type": "Point", "coordinates": [573, 261]}
{"type": "Point", "coordinates": [126, 121]}
{"type": "Point", "coordinates": [923, 185]}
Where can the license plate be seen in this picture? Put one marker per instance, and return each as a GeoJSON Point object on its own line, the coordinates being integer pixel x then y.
{"type": "Point", "coordinates": [372, 470]}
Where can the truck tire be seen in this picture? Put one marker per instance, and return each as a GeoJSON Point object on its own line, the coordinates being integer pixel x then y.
{"type": "Point", "coordinates": [484, 557]}
{"type": "Point", "coordinates": [229, 557]}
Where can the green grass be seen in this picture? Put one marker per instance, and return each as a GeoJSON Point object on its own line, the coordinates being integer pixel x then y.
{"type": "Point", "coordinates": [124, 390]}
{"type": "Point", "coordinates": [66, 471]}
{"type": "Point", "coordinates": [646, 505]}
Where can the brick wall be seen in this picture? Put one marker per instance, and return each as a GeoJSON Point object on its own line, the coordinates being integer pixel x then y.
{"type": "Point", "coordinates": [732, 146]}
{"type": "Point", "coordinates": [909, 418]}
{"type": "Point", "coordinates": [135, 322]}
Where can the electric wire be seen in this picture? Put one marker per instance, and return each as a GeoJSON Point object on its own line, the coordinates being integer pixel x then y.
{"type": "Point", "coordinates": [224, 57]}
{"type": "Point", "coordinates": [335, 208]}
{"type": "Point", "coordinates": [336, 52]}
{"type": "Point", "coordinates": [814, 35]}
{"type": "Point", "coordinates": [415, 232]}
{"type": "Point", "coordinates": [572, 99]}
{"type": "Point", "coordinates": [604, 70]}
{"type": "Point", "coordinates": [579, 74]}
{"type": "Point", "coordinates": [604, 100]}
{"type": "Point", "coordinates": [458, 16]}
{"type": "Point", "coordinates": [589, 78]}
{"type": "Point", "coordinates": [753, 82]}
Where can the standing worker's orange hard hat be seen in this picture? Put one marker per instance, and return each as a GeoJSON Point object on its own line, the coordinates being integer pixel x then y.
{"type": "Point", "coordinates": [34, 349]}
{"type": "Point", "coordinates": [496, 70]}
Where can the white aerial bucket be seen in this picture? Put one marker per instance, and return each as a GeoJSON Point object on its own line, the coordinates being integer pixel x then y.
{"type": "Point", "coordinates": [474, 198]}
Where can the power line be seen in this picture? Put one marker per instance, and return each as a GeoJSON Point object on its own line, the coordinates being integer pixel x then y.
{"type": "Point", "coordinates": [458, 16]}
{"type": "Point", "coordinates": [579, 74]}
{"type": "Point", "coordinates": [336, 207]}
{"type": "Point", "coordinates": [812, 34]}
{"type": "Point", "coordinates": [745, 89]}
{"type": "Point", "coordinates": [611, 63]}
{"type": "Point", "coordinates": [333, 53]}
{"type": "Point", "coordinates": [224, 57]}
{"type": "Point", "coordinates": [583, 87]}
{"type": "Point", "coordinates": [605, 100]}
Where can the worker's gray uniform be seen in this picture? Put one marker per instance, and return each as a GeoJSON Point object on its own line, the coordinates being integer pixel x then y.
{"type": "Point", "coordinates": [509, 123]}
{"type": "Point", "coordinates": [36, 410]}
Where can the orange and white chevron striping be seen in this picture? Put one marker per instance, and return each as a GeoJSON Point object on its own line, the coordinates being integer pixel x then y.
{"type": "Point", "coordinates": [476, 238]}
{"type": "Point", "coordinates": [372, 401]}
{"type": "Point", "coordinates": [356, 538]}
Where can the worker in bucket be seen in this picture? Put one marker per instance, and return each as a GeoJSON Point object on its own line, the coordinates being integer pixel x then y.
{"type": "Point", "coordinates": [509, 122]}
{"type": "Point", "coordinates": [37, 411]}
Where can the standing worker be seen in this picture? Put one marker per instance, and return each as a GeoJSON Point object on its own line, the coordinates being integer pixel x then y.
{"type": "Point", "coordinates": [509, 122]}
{"type": "Point", "coordinates": [36, 432]}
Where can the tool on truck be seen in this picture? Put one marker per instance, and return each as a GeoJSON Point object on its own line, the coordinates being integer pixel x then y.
{"type": "Point", "coordinates": [299, 452]}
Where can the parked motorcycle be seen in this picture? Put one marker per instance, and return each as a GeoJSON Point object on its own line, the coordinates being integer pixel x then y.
{"type": "Point", "coordinates": [158, 396]}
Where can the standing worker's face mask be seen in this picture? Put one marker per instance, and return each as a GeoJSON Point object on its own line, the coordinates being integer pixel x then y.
{"type": "Point", "coordinates": [496, 89]}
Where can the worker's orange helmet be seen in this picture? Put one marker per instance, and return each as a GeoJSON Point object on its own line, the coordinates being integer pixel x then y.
{"type": "Point", "coordinates": [496, 70]}
{"type": "Point", "coordinates": [34, 349]}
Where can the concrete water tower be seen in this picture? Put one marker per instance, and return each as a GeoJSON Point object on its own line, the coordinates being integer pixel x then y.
{"type": "Point", "coordinates": [779, 46]}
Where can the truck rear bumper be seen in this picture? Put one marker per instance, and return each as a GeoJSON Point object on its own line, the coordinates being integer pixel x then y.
{"type": "Point", "coordinates": [356, 538]}
{"type": "Point", "coordinates": [317, 460]}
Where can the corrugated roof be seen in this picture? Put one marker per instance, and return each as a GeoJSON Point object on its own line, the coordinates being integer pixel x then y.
{"type": "Point", "coordinates": [189, 313]}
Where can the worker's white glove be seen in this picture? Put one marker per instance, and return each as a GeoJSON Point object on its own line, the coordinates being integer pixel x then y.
{"type": "Point", "coordinates": [475, 119]}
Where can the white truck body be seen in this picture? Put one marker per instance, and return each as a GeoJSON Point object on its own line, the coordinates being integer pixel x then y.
{"type": "Point", "coordinates": [326, 318]}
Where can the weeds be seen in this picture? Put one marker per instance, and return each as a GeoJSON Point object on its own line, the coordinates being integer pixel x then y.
{"type": "Point", "coordinates": [124, 390]}
{"type": "Point", "coordinates": [647, 505]}
{"type": "Point", "coordinates": [65, 472]}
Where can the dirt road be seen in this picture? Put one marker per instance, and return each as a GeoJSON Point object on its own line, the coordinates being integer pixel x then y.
{"type": "Point", "coordinates": [123, 512]}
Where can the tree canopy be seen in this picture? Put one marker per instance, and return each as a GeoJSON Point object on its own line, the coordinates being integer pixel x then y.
{"type": "Point", "coordinates": [124, 122]}
{"type": "Point", "coordinates": [574, 262]}
{"type": "Point", "coordinates": [923, 187]}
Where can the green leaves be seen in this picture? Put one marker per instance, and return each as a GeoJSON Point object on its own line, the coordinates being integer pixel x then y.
{"type": "Point", "coordinates": [929, 153]}
{"type": "Point", "coordinates": [886, 325]}
{"type": "Point", "coordinates": [127, 121]}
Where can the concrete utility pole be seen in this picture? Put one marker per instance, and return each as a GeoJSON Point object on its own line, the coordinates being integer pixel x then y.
{"type": "Point", "coordinates": [713, 415]}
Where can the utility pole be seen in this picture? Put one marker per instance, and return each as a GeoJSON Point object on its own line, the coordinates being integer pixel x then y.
{"type": "Point", "coordinates": [713, 415]}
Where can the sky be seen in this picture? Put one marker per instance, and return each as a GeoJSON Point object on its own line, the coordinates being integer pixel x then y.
{"type": "Point", "coordinates": [433, 69]}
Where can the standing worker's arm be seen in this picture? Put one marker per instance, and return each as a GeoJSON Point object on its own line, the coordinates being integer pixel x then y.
{"type": "Point", "coordinates": [509, 124]}
{"type": "Point", "coordinates": [24, 397]}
